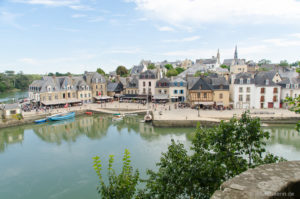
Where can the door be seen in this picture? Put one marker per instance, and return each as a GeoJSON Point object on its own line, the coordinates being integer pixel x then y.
{"type": "Point", "coordinates": [270, 105]}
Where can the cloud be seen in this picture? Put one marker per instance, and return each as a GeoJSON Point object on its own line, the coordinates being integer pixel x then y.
{"type": "Point", "coordinates": [124, 51]}
{"type": "Point", "coordinates": [186, 39]}
{"type": "Point", "coordinates": [10, 19]}
{"type": "Point", "coordinates": [73, 4]}
{"type": "Point", "coordinates": [197, 12]}
{"type": "Point", "coordinates": [283, 42]}
{"type": "Point", "coordinates": [78, 16]}
{"type": "Point", "coordinates": [29, 61]}
{"type": "Point", "coordinates": [165, 28]}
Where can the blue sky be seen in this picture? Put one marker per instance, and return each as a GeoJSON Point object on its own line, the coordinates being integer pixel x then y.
{"type": "Point", "coordinates": [41, 36]}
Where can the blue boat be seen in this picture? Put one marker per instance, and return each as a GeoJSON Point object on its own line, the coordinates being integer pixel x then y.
{"type": "Point", "coordinates": [40, 121]}
{"type": "Point", "coordinates": [62, 116]}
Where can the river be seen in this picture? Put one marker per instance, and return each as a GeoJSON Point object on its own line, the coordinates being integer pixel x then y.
{"type": "Point", "coordinates": [54, 160]}
{"type": "Point", "coordinates": [9, 97]}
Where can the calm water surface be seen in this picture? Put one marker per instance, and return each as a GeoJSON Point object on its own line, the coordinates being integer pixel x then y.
{"type": "Point", "coordinates": [7, 97]}
{"type": "Point", "coordinates": [55, 160]}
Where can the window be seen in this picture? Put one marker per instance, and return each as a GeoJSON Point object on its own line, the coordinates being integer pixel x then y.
{"type": "Point", "coordinates": [262, 90]}
{"type": "Point", "coordinates": [144, 91]}
{"type": "Point", "coordinates": [175, 83]}
{"type": "Point", "coordinates": [73, 95]}
{"type": "Point", "coordinates": [248, 98]}
{"type": "Point", "coordinates": [64, 95]}
{"type": "Point", "coordinates": [248, 89]}
{"type": "Point", "coordinates": [49, 97]}
{"type": "Point", "coordinates": [241, 81]}
{"type": "Point", "coordinates": [13, 112]}
{"type": "Point", "coordinates": [69, 95]}
{"type": "Point", "coordinates": [221, 95]}
{"type": "Point", "coordinates": [149, 83]}
{"type": "Point", "coordinates": [240, 98]}
{"type": "Point", "coordinates": [56, 96]}
{"type": "Point", "coordinates": [144, 84]}
{"type": "Point", "coordinates": [96, 86]}
{"type": "Point", "coordinates": [274, 98]}
{"type": "Point", "coordinates": [262, 98]}
{"type": "Point", "coordinates": [295, 95]}
{"type": "Point", "coordinates": [81, 96]}
{"type": "Point", "coordinates": [165, 91]}
{"type": "Point", "coordinates": [175, 91]}
{"type": "Point", "coordinates": [287, 95]}
{"type": "Point", "coordinates": [288, 86]}
{"type": "Point", "coordinates": [275, 90]}
{"type": "Point", "coordinates": [89, 94]}
{"type": "Point", "coordinates": [241, 89]}
{"type": "Point", "coordinates": [181, 91]}
{"type": "Point", "coordinates": [159, 91]}
{"type": "Point", "coordinates": [205, 95]}
{"type": "Point", "coordinates": [149, 90]}
{"type": "Point", "coordinates": [181, 83]}
{"type": "Point", "coordinates": [85, 95]}
{"type": "Point", "coordinates": [267, 82]}
{"type": "Point", "coordinates": [248, 80]}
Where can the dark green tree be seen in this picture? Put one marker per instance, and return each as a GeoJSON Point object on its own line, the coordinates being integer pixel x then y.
{"type": "Point", "coordinates": [263, 62]}
{"type": "Point", "coordinates": [122, 71]}
{"type": "Point", "coordinates": [169, 66]}
{"type": "Point", "coordinates": [179, 70]}
{"type": "Point", "coordinates": [151, 66]}
{"type": "Point", "coordinates": [284, 63]}
{"type": "Point", "coordinates": [225, 66]}
{"type": "Point", "coordinates": [172, 72]}
{"type": "Point", "coordinates": [100, 71]}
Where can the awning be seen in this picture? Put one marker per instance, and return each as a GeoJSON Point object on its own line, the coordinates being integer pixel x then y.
{"type": "Point", "coordinates": [62, 101]}
{"type": "Point", "coordinates": [161, 97]}
{"type": "Point", "coordinates": [174, 97]}
{"type": "Point", "coordinates": [205, 103]}
{"type": "Point", "coordinates": [102, 97]}
{"type": "Point", "coordinates": [220, 104]}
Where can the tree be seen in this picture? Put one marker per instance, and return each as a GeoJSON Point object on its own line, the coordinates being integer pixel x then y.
{"type": "Point", "coordinates": [169, 66]}
{"type": "Point", "coordinates": [100, 71]}
{"type": "Point", "coordinates": [179, 70]}
{"type": "Point", "coordinates": [298, 70]}
{"type": "Point", "coordinates": [151, 66]}
{"type": "Point", "coordinates": [122, 71]}
{"type": "Point", "coordinates": [284, 63]}
{"type": "Point", "coordinates": [217, 154]}
{"type": "Point", "coordinates": [224, 66]}
{"type": "Point", "coordinates": [172, 72]}
{"type": "Point", "coordinates": [264, 62]}
{"type": "Point", "coordinates": [119, 186]}
{"type": "Point", "coordinates": [294, 106]}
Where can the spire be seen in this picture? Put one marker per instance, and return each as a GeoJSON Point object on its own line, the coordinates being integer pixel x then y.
{"type": "Point", "coordinates": [218, 57]}
{"type": "Point", "coordinates": [235, 53]}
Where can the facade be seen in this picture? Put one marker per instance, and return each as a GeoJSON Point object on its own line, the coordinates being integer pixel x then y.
{"type": "Point", "coordinates": [200, 92]}
{"type": "Point", "coordinates": [178, 90]}
{"type": "Point", "coordinates": [290, 87]}
{"type": "Point", "coordinates": [97, 83]}
{"type": "Point", "coordinates": [84, 92]}
{"type": "Point", "coordinates": [147, 82]}
{"type": "Point", "coordinates": [211, 64]}
{"type": "Point", "coordinates": [187, 63]}
{"type": "Point", "coordinates": [11, 111]}
{"type": "Point", "coordinates": [267, 90]}
{"type": "Point", "coordinates": [132, 86]}
{"type": "Point", "coordinates": [242, 91]}
{"type": "Point", "coordinates": [221, 92]}
{"type": "Point", "coordinates": [114, 89]}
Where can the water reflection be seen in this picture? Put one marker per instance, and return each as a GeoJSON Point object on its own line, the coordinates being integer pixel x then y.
{"type": "Point", "coordinates": [9, 136]}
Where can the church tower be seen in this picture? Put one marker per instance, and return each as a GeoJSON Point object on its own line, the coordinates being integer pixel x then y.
{"type": "Point", "coordinates": [235, 53]}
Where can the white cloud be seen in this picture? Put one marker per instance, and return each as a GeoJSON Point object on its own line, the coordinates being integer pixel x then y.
{"type": "Point", "coordinates": [195, 12]}
{"type": "Point", "coordinates": [186, 39]}
{"type": "Point", "coordinates": [73, 4]}
{"type": "Point", "coordinates": [165, 28]}
{"type": "Point", "coordinates": [124, 51]}
{"type": "Point", "coordinates": [78, 16]}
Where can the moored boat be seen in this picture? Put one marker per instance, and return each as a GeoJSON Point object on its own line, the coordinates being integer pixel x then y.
{"type": "Point", "coordinates": [117, 118]}
{"type": "Point", "coordinates": [40, 121]}
{"type": "Point", "coordinates": [148, 117]}
{"type": "Point", "coordinates": [89, 113]}
{"type": "Point", "coordinates": [62, 116]}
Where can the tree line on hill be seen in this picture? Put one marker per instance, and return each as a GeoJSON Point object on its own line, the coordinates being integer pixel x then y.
{"type": "Point", "coordinates": [9, 80]}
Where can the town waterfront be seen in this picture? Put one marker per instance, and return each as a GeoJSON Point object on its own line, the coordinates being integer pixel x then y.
{"type": "Point", "coordinates": [54, 160]}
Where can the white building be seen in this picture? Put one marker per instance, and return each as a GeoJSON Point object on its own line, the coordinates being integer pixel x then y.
{"type": "Point", "coordinates": [242, 91]}
{"type": "Point", "coordinates": [290, 87]}
{"type": "Point", "coordinates": [178, 91]}
{"type": "Point", "coordinates": [147, 82]}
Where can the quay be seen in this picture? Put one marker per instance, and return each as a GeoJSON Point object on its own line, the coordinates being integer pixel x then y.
{"type": "Point", "coordinates": [165, 115]}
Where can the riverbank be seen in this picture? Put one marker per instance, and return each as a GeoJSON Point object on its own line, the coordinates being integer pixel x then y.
{"type": "Point", "coordinates": [166, 115]}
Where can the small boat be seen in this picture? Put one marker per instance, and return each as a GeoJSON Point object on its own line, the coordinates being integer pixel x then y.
{"type": "Point", "coordinates": [116, 114]}
{"type": "Point", "coordinates": [40, 121]}
{"type": "Point", "coordinates": [117, 118]}
{"type": "Point", "coordinates": [148, 117]}
{"type": "Point", "coordinates": [131, 114]}
{"type": "Point", "coordinates": [89, 113]}
{"type": "Point", "coordinates": [62, 116]}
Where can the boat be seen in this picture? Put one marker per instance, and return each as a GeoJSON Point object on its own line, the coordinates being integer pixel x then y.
{"type": "Point", "coordinates": [62, 116]}
{"type": "Point", "coordinates": [117, 118]}
{"type": "Point", "coordinates": [116, 114]}
{"type": "Point", "coordinates": [131, 114]}
{"type": "Point", "coordinates": [89, 113]}
{"type": "Point", "coordinates": [148, 117]}
{"type": "Point", "coordinates": [40, 121]}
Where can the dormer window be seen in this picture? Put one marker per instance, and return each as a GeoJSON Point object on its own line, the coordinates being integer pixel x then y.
{"type": "Point", "coordinates": [267, 82]}
{"type": "Point", "coordinates": [241, 81]}
{"type": "Point", "coordinates": [248, 80]}
{"type": "Point", "coordinates": [175, 83]}
{"type": "Point", "coordinates": [49, 88]}
{"type": "Point", "coordinates": [296, 85]}
{"type": "Point", "coordinates": [288, 86]}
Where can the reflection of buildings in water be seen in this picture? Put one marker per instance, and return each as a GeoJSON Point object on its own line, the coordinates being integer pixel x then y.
{"type": "Point", "coordinates": [69, 130]}
{"type": "Point", "coordinates": [284, 135]}
{"type": "Point", "coordinates": [11, 136]}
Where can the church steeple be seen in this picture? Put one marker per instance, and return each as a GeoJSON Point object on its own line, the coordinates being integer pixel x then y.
{"type": "Point", "coordinates": [218, 57]}
{"type": "Point", "coordinates": [235, 53]}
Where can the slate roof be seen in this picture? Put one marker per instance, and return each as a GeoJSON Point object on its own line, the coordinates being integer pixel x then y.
{"type": "Point", "coordinates": [201, 84]}
{"type": "Point", "coordinates": [163, 83]}
{"type": "Point", "coordinates": [11, 106]}
{"type": "Point", "coordinates": [206, 61]}
{"type": "Point", "coordinates": [244, 77]}
{"type": "Point", "coordinates": [192, 70]}
{"type": "Point", "coordinates": [137, 69]}
{"type": "Point", "coordinates": [148, 74]}
{"type": "Point", "coordinates": [261, 77]}
{"type": "Point", "coordinates": [114, 87]}
{"type": "Point", "coordinates": [178, 80]}
{"type": "Point", "coordinates": [133, 83]}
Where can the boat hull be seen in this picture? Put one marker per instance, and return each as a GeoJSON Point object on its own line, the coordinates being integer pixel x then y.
{"type": "Point", "coordinates": [40, 121]}
{"type": "Point", "coordinates": [62, 117]}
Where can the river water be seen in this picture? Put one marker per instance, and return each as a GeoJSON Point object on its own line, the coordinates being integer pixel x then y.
{"type": "Point", "coordinates": [9, 97]}
{"type": "Point", "coordinates": [54, 160]}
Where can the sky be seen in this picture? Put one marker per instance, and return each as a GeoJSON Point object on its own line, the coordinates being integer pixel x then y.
{"type": "Point", "coordinates": [42, 36]}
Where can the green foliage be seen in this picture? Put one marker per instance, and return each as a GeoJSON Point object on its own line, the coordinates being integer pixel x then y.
{"type": "Point", "coordinates": [172, 72]}
{"type": "Point", "coordinates": [122, 71]}
{"type": "Point", "coordinates": [151, 66]}
{"type": "Point", "coordinates": [119, 186]}
{"type": "Point", "coordinates": [264, 62]}
{"type": "Point", "coordinates": [199, 73]}
{"type": "Point", "coordinates": [169, 66]}
{"type": "Point", "coordinates": [264, 69]}
{"type": "Point", "coordinates": [179, 70]}
{"type": "Point", "coordinates": [284, 63]}
{"type": "Point", "coordinates": [100, 71]}
{"type": "Point", "coordinates": [217, 154]}
{"type": "Point", "coordinates": [298, 70]}
{"type": "Point", "coordinates": [225, 66]}
{"type": "Point", "coordinates": [9, 80]}
{"type": "Point", "coordinates": [294, 106]}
